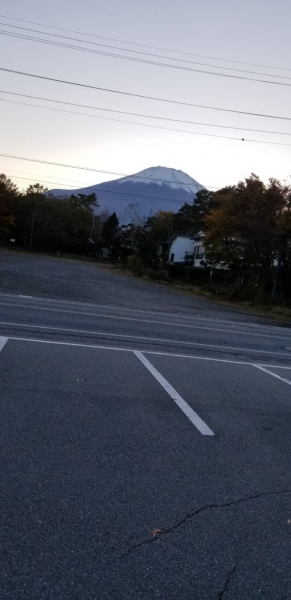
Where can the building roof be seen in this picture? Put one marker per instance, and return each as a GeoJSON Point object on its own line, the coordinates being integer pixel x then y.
{"type": "Point", "coordinates": [199, 236]}
{"type": "Point", "coordinates": [182, 235]}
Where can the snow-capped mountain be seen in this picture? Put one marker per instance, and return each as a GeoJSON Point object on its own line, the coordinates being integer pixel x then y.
{"type": "Point", "coordinates": [164, 176]}
{"type": "Point", "coordinates": [156, 188]}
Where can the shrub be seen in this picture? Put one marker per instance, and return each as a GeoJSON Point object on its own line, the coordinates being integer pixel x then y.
{"type": "Point", "coordinates": [135, 264]}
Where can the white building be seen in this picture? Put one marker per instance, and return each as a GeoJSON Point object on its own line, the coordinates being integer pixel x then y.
{"type": "Point", "coordinates": [180, 248]}
{"type": "Point", "coordinates": [186, 249]}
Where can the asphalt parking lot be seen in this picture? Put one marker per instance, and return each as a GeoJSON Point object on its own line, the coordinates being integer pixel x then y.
{"type": "Point", "coordinates": [145, 454]}
{"type": "Point", "coordinates": [130, 480]}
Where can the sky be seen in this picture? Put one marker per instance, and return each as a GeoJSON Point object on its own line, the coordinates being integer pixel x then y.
{"type": "Point", "coordinates": [253, 31]}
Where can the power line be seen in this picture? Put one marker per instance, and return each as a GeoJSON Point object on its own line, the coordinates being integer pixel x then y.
{"type": "Point", "coordinates": [111, 191]}
{"type": "Point", "coordinates": [135, 51]}
{"type": "Point", "coordinates": [70, 181]}
{"type": "Point", "coordinates": [224, 137]}
{"type": "Point", "coordinates": [41, 175]}
{"type": "Point", "coordinates": [40, 181]}
{"type": "Point", "coordinates": [85, 183]}
{"type": "Point", "coordinates": [144, 45]}
{"type": "Point", "coordinates": [140, 60]}
{"type": "Point", "coordinates": [129, 113]}
{"type": "Point", "coordinates": [112, 91]}
{"type": "Point", "coordinates": [46, 162]}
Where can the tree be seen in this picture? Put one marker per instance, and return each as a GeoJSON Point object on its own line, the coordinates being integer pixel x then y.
{"type": "Point", "coordinates": [190, 218]}
{"type": "Point", "coordinates": [152, 236]}
{"type": "Point", "coordinates": [35, 194]}
{"type": "Point", "coordinates": [86, 201]}
{"type": "Point", "coordinates": [109, 235]}
{"type": "Point", "coordinates": [244, 229]}
{"type": "Point", "coordinates": [8, 195]}
{"type": "Point", "coordinates": [283, 270]}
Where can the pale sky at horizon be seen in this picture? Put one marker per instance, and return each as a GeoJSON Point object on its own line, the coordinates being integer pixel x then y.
{"type": "Point", "coordinates": [250, 31]}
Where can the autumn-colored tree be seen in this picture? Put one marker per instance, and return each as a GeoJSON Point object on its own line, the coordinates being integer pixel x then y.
{"type": "Point", "coordinates": [244, 231]}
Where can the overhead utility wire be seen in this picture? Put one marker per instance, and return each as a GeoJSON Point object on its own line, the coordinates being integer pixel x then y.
{"type": "Point", "coordinates": [123, 112]}
{"type": "Point", "coordinates": [110, 190]}
{"type": "Point", "coordinates": [144, 45]}
{"type": "Point", "coordinates": [85, 183]}
{"type": "Point", "coordinates": [46, 162]}
{"type": "Point", "coordinates": [41, 181]}
{"type": "Point", "coordinates": [112, 91]}
{"type": "Point", "coordinates": [192, 62]}
{"type": "Point", "coordinates": [140, 60]}
{"type": "Point", "coordinates": [225, 137]}
{"type": "Point", "coordinates": [70, 181]}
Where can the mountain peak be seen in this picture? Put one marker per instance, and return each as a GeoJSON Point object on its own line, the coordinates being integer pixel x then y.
{"type": "Point", "coordinates": [172, 178]}
{"type": "Point", "coordinates": [146, 192]}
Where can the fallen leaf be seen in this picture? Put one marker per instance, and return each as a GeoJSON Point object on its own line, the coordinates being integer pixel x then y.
{"type": "Point", "coordinates": [156, 532]}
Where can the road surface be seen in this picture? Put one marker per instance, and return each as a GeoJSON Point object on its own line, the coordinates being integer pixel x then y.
{"type": "Point", "coordinates": [145, 441]}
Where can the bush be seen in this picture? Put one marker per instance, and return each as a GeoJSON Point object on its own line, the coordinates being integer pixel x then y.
{"type": "Point", "coordinates": [135, 264]}
{"type": "Point", "coordinates": [158, 274]}
{"type": "Point", "coordinates": [189, 274]}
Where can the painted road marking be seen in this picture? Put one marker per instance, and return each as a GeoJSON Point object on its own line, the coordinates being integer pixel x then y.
{"type": "Point", "coordinates": [102, 316]}
{"type": "Point", "coordinates": [223, 360]}
{"type": "Point", "coordinates": [69, 344]}
{"type": "Point", "coordinates": [3, 341]}
{"type": "Point", "coordinates": [187, 410]}
{"type": "Point", "coordinates": [194, 418]}
{"type": "Point", "coordinates": [273, 374]}
{"type": "Point", "coordinates": [139, 337]}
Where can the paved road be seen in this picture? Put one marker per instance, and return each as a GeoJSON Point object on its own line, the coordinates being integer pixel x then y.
{"type": "Point", "coordinates": [63, 279]}
{"type": "Point", "coordinates": [145, 446]}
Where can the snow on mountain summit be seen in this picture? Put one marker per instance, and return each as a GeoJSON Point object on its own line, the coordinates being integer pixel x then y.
{"type": "Point", "coordinates": [141, 194]}
{"type": "Point", "coordinates": [164, 176]}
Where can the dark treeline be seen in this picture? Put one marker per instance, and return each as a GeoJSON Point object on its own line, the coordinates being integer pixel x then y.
{"type": "Point", "coordinates": [39, 221]}
{"type": "Point", "coordinates": [247, 231]}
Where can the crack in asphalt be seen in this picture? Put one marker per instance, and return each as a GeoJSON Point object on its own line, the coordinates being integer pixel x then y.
{"type": "Point", "coordinates": [196, 512]}
{"type": "Point", "coordinates": [227, 581]}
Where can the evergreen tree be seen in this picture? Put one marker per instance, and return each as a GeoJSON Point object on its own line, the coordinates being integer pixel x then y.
{"type": "Point", "coordinates": [109, 235]}
{"type": "Point", "coordinates": [8, 196]}
{"type": "Point", "coordinates": [190, 217]}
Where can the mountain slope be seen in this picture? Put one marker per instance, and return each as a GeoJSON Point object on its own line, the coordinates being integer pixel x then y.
{"type": "Point", "coordinates": [156, 188]}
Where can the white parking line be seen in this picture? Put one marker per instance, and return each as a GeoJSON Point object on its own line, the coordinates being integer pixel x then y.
{"type": "Point", "coordinates": [69, 344]}
{"type": "Point", "coordinates": [175, 355]}
{"type": "Point", "coordinates": [3, 341]}
{"type": "Point", "coordinates": [187, 410]}
{"type": "Point", "coordinates": [273, 374]}
{"type": "Point", "coordinates": [139, 337]}
{"type": "Point", "coordinates": [194, 418]}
